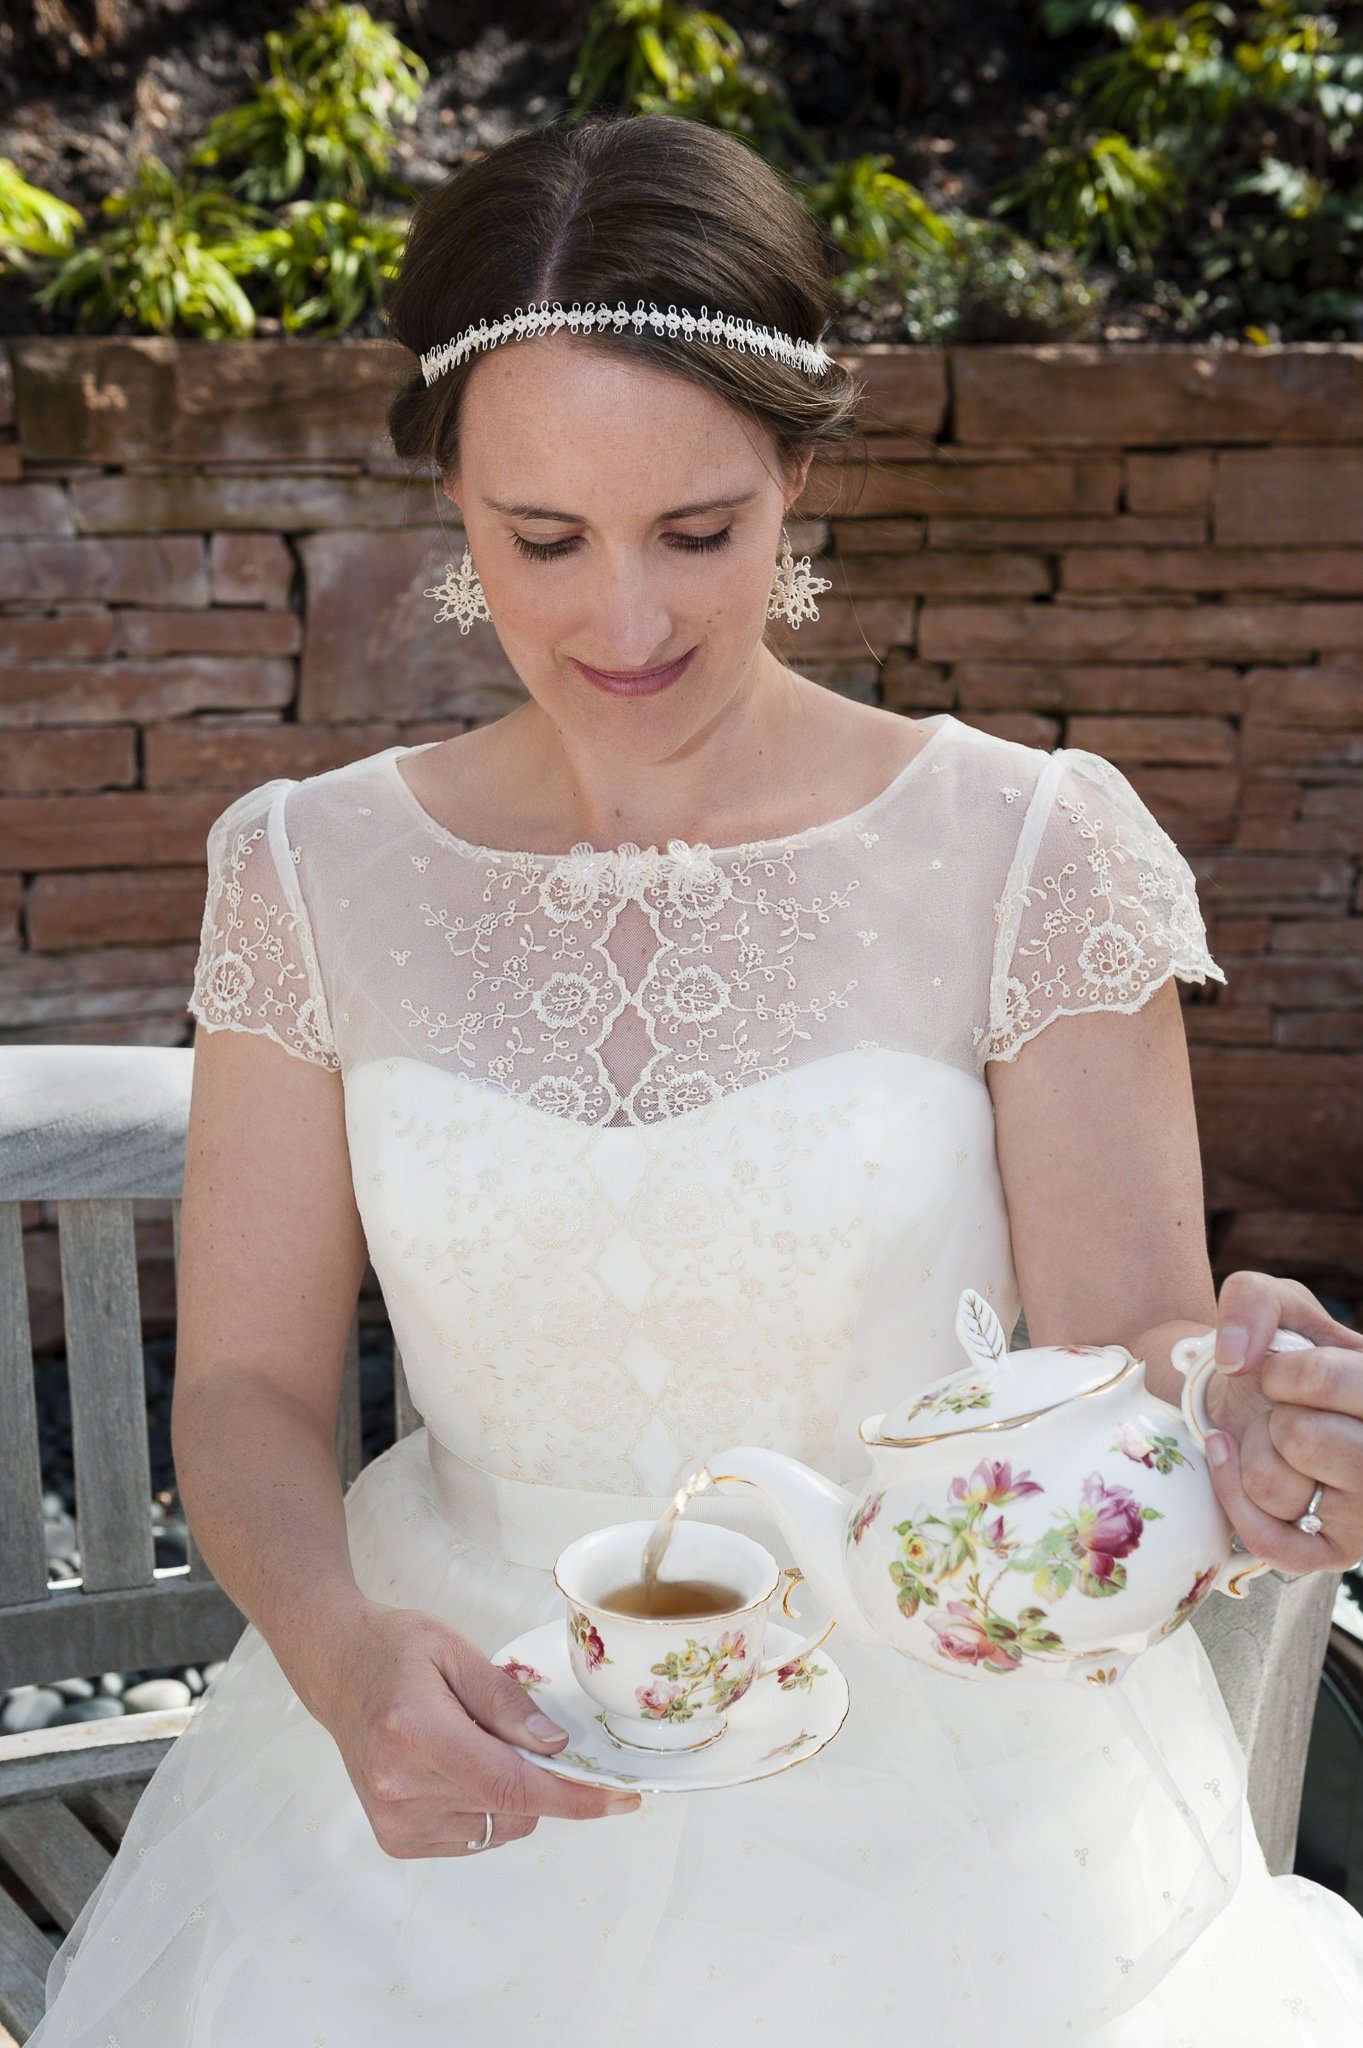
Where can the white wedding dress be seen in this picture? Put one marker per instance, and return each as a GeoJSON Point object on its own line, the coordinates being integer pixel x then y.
{"type": "Point", "coordinates": [659, 1152]}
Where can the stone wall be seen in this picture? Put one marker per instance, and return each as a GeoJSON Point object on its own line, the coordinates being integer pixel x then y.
{"type": "Point", "coordinates": [211, 572]}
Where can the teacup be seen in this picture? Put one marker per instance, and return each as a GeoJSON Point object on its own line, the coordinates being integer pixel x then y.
{"type": "Point", "coordinates": [670, 1682]}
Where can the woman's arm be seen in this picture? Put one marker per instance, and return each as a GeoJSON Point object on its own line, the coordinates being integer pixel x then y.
{"type": "Point", "coordinates": [1096, 1136]}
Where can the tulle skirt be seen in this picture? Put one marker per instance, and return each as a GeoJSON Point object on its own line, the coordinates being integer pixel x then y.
{"type": "Point", "coordinates": [1030, 1862]}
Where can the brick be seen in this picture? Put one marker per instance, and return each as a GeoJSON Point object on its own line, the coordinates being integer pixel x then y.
{"type": "Point", "coordinates": [844, 627]}
{"type": "Point", "coordinates": [1055, 686]}
{"type": "Point", "coordinates": [1303, 835]}
{"type": "Point", "coordinates": [1271, 885]}
{"type": "Point", "coordinates": [116, 907]}
{"type": "Point", "coordinates": [56, 636]}
{"type": "Point", "coordinates": [1312, 1244]}
{"type": "Point", "coordinates": [1279, 1127]}
{"type": "Point", "coordinates": [226, 754]}
{"type": "Point", "coordinates": [1196, 806]}
{"type": "Point", "coordinates": [1298, 750]}
{"type": "Point", "coordinates": [1177, 482]}
{"type": "Point", "coordinates": [372, 649]}
{"type": "Point", "coordinates": [250, 569]}
{"type": "Point", "coordinates": [11, 462]}
{"type": "Point", "coordinates": [1199, 742]}
{"type": "Point", "coordinates": [28, 510]}
{"type": "Point", "coordinates": [1240, 934]}
{"type": "Point", "coordinates": [1027, 728]}
{"type": "Point", "coordinates": [903, 390]}
{"type": "Point", "coordinates": [1332, 801]}
{"type": "Point", "coordinates": [102, 693]}
{"type": "Point", "coordinates": [1306, 982]}
{"type": "Point", "coordinates": [1221, 1024]}
{"type": "Point", "coordinates": [113, 981]}
{"type": "Point", "coordinates": [878, 536]}
{"type": "Point", "coordinates": [116, 399]}
{"type": "Point", "coordinates": [1120, 530]}
{"type": "Point", "coordinates": [1323, 1030]}
{"type": "Point", "coordinates": [233, 630]}
{"type": "Point", "coordinates": [9, 910]}
{"type": "Point", "coordinates": [91, 757]}
{"type": "Point", "coordinates": [1227, 632]}
{"type": "Point", "coordinates": [1294, 497]}
{"type": "Point", "coordinates": [1269, 799]}
{"type": "Point", "coordinates": [137, 828]}
{"type": "Point", "coordinates": [1305, 696]}
{"type": "Point", "coordinates": [1151, 394]}
{"type": "Point", "coordinates": [132, 570]}
{"type": "Point", "coordinates": [1328, 572]}
{"type": "Point", "coordinates": [909, 685]}
{"type": "Point", "coordinates": [1084, 488]}
{"type": "Point", "coordinates": [1317, 935]}
{"type": "Point", "coordinates": [936, 573]}
{"type": "Point", "coordinates": [194, 503]}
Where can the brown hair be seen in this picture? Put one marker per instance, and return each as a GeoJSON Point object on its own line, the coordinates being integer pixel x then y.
{"type": "Point", "coordinates": [644, 206]}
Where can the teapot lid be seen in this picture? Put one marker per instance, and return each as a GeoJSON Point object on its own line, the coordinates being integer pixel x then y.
{"type": "Point", "coordinates": [999, 1388]}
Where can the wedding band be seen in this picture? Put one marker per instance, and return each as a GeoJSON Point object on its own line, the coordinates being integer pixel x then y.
{"type": "Point", "coordinates": [487, 1836]}
{"type": "Point", "coordinates": [1310, 1523]}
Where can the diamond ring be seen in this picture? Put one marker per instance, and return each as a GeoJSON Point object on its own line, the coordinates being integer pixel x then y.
{"type": "Point", "coordinates": [1310, 1523]}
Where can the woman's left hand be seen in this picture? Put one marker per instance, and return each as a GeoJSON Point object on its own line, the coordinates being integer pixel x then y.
{"type": "Point", "coordinates": [1292, 1420]}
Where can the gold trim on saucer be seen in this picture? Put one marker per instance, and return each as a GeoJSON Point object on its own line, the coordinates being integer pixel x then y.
{"type": "Point", "coordinates": [1011, 1422]}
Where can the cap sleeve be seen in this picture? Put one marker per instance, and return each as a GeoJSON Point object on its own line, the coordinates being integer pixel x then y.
{"type": "Point", "coordinates": [257, 968]}
{"type": "Point", "coordinates": [1099, 908]}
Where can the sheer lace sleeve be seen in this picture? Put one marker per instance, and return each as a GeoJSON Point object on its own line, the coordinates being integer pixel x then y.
{"type": "Point", "coordinates": [1099, 908]}
{"type": "Point", "coordinates": [257, 968]}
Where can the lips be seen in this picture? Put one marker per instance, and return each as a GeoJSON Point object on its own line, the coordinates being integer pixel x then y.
{"type": "Point", "coordinates": [638, 684]}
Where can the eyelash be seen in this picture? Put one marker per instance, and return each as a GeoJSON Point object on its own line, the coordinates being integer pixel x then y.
{"type": "Point", "coordinates": [690, 543]}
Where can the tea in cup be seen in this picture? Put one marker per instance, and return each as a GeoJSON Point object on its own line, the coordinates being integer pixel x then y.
{"type": "Point", "coordinates": [667, 1664]}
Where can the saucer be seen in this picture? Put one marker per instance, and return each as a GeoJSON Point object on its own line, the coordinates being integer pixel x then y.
{"type": "Point", "coordinates": [773, 1727]}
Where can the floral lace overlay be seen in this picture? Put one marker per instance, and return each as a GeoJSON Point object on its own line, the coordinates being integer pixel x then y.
{"type": "Point", "coordinates": [257, 968]}
{"type": "Point", "coordinates": [1104, 913]}
{"type": "Point", "coordinates": [549, 965]}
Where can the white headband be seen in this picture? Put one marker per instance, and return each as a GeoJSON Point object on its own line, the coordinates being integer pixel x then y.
{"type": "Point", "coordinates": [538, 319]}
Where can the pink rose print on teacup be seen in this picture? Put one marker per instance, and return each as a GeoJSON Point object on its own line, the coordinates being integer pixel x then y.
{"type": "Point", "coordinates": [524, 1674]}
{"type": "Point", "coordinates": [588, 1639]}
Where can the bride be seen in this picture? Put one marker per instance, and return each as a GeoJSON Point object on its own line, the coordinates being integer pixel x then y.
{"type": "Point", "coordinates": [677, 1047]}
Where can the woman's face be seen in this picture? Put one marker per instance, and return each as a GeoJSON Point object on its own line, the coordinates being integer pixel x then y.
{"type": "Point", "coordinates": [619, 518]}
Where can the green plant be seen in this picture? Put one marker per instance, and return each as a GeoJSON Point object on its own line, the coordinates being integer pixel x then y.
{"type": "Point", "coordinates": [321, 266]}
{"type": "Point", "coordinates": [634, 48]}
{"type": "Point", "coordinates": [1172, 72]}
{"type": "Point", "coordinates": [35, 225]}
{"type": "Point", "coordinates": [337, 81]}
{"type": "Point", "coordinates": [986, 284]}
{"type": "Point", "coordinates": [165, 263]}
{"type": "Point", "coordinates": [1299, 261]}
{"type": "Point", "coordinates": [868, 211]}
{"type": "Point", "coordinates": [1103, 192]}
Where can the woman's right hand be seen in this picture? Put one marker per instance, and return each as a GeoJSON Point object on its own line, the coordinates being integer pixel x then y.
{"type": "Point", "coordinates": [425, 1722]}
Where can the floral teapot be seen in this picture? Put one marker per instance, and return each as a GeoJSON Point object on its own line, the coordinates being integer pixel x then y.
{"type": "Point", "coordinates": [1041, 1510]}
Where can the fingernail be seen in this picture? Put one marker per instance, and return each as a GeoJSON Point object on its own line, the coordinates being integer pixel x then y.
{"type": "Point", "coordinates": [623, 1805]}
{"type": "Point", "coordinates": [546, 1730]}
{"type": "Point", "coordinates": [1218, 1449]}
{"type": "Point", "coordinates": [1231, 1345]}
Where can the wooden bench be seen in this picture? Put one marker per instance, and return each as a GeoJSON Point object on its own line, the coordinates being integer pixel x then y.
{"type": "Point", "coordinates": [91, 1129]}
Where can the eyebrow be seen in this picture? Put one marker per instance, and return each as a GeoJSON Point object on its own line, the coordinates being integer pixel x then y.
{"type": "Point", "coordinates": [576, 518]}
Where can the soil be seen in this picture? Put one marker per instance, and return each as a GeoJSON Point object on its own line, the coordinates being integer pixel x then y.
{"type": "Point", "coordinates": [955, 113]}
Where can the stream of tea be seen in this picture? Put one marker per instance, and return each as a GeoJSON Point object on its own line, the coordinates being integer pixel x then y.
{"type": "Point", "coordinates": [660, 1536]}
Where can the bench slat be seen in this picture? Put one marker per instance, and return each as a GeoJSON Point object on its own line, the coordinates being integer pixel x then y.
{"type": "Point", "coordinates": [54, 1854]}
{"type": "Point", "coordinates": [23, 1554]}
{"type": "Point", "coordinates": [25, 1958]}
{"type": "Point", "coordinates": [108, 1392]}
{"type": "Point", "coordinates": [199, 1570]}
{"type": "Point", "coordinates": [114, 1805]}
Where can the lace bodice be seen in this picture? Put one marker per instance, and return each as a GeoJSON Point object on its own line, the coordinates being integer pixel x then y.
{"type": "Point", "coordinates": [989, 888]}
{"type": "Point", "coordinates": [656, 1150]}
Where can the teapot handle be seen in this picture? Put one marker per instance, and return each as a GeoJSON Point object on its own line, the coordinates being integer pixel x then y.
{"type": "Point", "coordinates": [794, 1577]}
{"type": "Point", "coordinates": [1195, 1358]}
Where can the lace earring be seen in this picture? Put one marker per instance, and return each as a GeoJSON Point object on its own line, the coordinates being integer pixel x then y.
{"type": "Point", "coordinates": [794, 589]}
{"type": "Point", "coordinates": [461, 595]}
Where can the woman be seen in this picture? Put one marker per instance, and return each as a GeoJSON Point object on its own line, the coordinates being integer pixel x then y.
{"type": "Point", "coordinates": [678, 1047]}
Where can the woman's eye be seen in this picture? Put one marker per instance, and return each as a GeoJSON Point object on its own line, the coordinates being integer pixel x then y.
{"type": "Point", "coordinates": [549, 551]}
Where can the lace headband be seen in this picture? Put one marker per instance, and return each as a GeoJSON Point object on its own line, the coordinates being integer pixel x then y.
{"type": "Point", "coordinates": [524, 325]}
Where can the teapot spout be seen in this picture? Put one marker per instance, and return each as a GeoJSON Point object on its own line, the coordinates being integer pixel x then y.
{"type": "Point", "coordinates": [811, 1513]}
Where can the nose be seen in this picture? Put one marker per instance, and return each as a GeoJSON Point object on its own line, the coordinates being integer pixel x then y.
{"type": "Point", "coordinates": [627, 619]}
